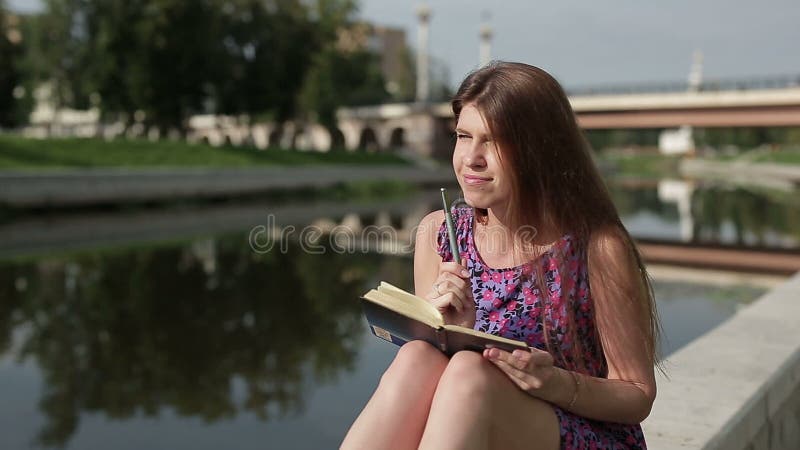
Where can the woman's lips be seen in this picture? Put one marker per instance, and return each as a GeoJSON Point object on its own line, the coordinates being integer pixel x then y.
{"type": "Point", "coordinates": [475, 180]}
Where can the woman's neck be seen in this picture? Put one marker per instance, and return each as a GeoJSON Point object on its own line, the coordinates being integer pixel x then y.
{"type": "Point", "coordinates": [522, 244]}
{"type": "Point", "coordinates": [499, 223]}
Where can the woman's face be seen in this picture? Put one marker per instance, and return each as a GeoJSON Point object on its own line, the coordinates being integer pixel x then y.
{"type": "Point", "coordinates": [476, 161]}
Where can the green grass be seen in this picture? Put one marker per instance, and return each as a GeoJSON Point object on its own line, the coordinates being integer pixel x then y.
{"type": "Point", "coordinates": [783, 156]}
{"type": "Point", "coordinates": [778, 155]}
{"type": "Point", "coordinates": [23, 153]}
{"type": "Point", "coordinates": [641, 165]}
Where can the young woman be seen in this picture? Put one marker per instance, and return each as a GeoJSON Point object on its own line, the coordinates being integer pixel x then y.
{"type": "Point", "coordinates": [544, 259]}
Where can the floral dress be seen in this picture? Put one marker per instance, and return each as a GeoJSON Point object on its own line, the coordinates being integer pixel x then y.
{"type": "Point", "coordinates": [509, 304]}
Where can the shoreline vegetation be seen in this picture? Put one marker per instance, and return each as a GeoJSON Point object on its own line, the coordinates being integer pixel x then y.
{"type": "Point", "coordinates": [649, 163]}
{"type": "Point", "coordinates": [26, 154]}
{"type": "Point", "coordinates": [67, 168]}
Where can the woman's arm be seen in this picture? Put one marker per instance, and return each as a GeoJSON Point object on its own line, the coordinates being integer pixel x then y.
{"type": "Point", "coordinates": [622, 319]}
{"type": "Point", "coordinates": [444, 284]}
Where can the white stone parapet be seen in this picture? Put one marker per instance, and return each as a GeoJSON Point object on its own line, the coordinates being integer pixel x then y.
{"type": "Point", "coordinates": [738, 386]}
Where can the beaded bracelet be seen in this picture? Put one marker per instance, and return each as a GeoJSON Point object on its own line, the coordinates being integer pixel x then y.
{"type": "Point", "coordinates": [577, 387]}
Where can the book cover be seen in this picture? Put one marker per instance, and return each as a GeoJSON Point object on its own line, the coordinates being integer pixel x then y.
{"type": "Point", "coordinates": [398, 317]}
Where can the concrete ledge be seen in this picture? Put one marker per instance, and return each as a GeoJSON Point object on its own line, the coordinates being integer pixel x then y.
{"type": "Point", "coordinates": [737, 386]}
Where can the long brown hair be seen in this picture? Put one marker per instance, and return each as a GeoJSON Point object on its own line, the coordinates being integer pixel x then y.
{"type": "Point", "coordinates": [554, 179]}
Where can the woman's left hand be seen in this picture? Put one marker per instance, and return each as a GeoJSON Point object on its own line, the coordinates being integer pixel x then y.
{"type": "Point", "coordinates": [532, 370]}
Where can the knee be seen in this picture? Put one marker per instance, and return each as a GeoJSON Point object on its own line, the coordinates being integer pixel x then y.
{"type": "Point", "coordinates": [417, 361]}
{"type": "Point", "coordinates": [468, 375]}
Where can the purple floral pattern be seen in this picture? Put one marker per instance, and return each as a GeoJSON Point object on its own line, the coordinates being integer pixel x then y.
{"type": "Point", "coordinates": [509, 304]}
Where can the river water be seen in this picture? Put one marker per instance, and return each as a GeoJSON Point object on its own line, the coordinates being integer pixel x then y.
{"type": "Point", "coordinates": [176, 329]}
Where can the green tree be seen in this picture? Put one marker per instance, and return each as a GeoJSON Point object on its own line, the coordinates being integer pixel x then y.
{"type": "Point", "coordinates": [118, 74]}
{"type": "Point", "coordinates": [63, 43]}
{"type": "Point", "coordinates": [10, 52]}
{"type": "Point", "coordinates": [341, 79]}
{"type": "Point", "coordinates": [171, 59]}
{"type": "Point", "coordinates": [340, 75]}
{"type": "Point", "coordinates": [266, 51]}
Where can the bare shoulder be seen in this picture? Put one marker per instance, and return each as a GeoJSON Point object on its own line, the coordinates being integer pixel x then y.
{"type": "Point", "coordinates": [614, 271]}
{"type": "Point", "coordinates": [612, 259]}
{"type": "Point", "coordinates": [429, 225]}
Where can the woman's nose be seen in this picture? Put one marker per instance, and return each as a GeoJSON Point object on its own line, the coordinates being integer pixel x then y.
{"type": "Point", "coordinates": [473, 156]}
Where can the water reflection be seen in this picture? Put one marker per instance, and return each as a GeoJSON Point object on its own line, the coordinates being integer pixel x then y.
{"type": "Point", "coordinates": [204, 328]}
{"type": "Point", "coordinates": [270, 345]}
{"type": "Point", "coordinates": [688, 310]}
{"type": "Point", "coordinates": [668, 210]}
{"type": "Point", "coordinates": [127, 333]}
{"type": "Point", "coordinates": [709, 213]}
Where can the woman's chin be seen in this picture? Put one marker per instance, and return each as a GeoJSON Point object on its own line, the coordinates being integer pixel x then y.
{"type": "Point", "coordinates": [474, 202]}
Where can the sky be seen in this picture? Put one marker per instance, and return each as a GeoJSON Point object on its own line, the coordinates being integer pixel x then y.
{"type": "Point", "coordinates": [593, 43]}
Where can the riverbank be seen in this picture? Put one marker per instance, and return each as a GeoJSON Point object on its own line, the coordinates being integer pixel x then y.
{"type": "Point", "coordinates": [89, 187]}
{"type": "Point", "coordinates": [24, 154]}
{"type": "Point", "coordinates": [765, 174]}
{"type": "Point", "coordinates": [759, 167]}
{"type": "Point", "coordinates": [66, 173]}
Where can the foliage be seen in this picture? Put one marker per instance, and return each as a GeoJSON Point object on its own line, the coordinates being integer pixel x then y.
{"type": "Point", "coordinates": [10, 53]}
{"type": "Point", "coordinates": [340, 76]}
{"type": "Point", "coordinates": [21, 153]}
{"type": "Point", "coordinates": [341, 79]}
{"type": "Point", "coordinates": [164, 60]}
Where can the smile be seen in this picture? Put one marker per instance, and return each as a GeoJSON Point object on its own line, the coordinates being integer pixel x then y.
{"type": "Point", "coordinates": [473, 180]}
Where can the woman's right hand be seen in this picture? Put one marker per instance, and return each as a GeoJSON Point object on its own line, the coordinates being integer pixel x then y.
{"type": "Point", "coordinates": [451, 294]}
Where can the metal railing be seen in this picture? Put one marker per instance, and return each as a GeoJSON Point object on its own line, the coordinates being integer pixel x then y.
{"type": "Point", "coordinates": [711, 85]}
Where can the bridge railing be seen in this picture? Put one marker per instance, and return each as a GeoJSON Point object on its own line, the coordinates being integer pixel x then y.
{"type": "Point", "coordinates": [737, 84]}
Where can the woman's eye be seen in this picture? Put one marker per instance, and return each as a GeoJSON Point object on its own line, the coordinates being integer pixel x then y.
{"type": "Point", "coordinates": [463, 136]}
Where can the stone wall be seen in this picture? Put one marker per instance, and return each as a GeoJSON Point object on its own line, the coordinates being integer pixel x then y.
{"type": "Point", "coordinates": [738, 386]}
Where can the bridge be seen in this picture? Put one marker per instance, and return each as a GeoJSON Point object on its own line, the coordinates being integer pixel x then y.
{"type": "Point", "coordinates": [429, 127]}
{"type": "Point", "coordinates": [426, 128]}
{"type": "Point", "coordinates": [728, 108]}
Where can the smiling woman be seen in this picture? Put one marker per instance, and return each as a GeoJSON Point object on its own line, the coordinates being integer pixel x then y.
{"type": "Point", "coordinates": [546, 260]}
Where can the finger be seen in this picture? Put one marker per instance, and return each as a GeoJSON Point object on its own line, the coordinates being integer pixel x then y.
{"type": "Point", "coordinates": [458, 300]}
{"type": "Point", "coordinates": [447, 300]}
{"type": "Point", "coordinates": [451, 284]}
{"type": "Point", "coordinates": [502, 355]}
{"type": "Point", "coordinates": [442, 294]}
{"type": "Point", "coordinates": [510, 370]}
{"type": "Point", "coordinates": [448, 279]}
{"type": "Point", "coordinates": [454, 268]}
{"type": "Point", "coordinates": [519, 359]}
{"type": "Point", "coordinates": [464, 297]}
{"type": "Point", "coordinates": [522, 358]}
{"type": "Point", "coordinates": [460, 285]}
{"type": "Point", "coordinates": [441, 303]}
{"type": "Point", "coordinates": [524, 380]}
{"type": "Point", "coordinates": [494, 352]}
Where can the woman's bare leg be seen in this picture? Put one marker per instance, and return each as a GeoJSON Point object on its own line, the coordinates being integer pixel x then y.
{"type": "Point", "coordinates": [396, 414]}
{"type": "Point", "coordinates": [476, 406]}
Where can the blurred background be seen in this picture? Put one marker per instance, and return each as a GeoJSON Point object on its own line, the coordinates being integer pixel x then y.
{"type": "Point", "coordinates": [193, 194]}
